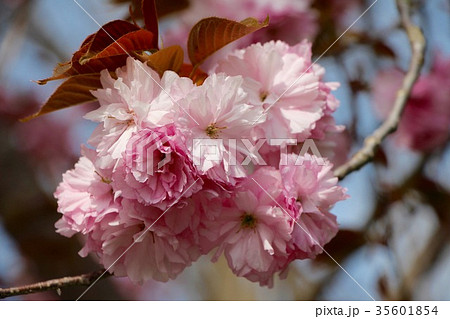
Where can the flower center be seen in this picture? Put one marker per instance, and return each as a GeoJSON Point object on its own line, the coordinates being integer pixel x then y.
{"type": "Point", "coordinates": [263, 95]}
{"type": "Point", "coordinates": [213, 130]}
{"type": "Point", "coordinates": [248, 221]}
{"type": "Point", "coordinates": [104, 180]}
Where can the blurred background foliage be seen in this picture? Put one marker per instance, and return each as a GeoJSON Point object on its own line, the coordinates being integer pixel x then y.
{"type": "Point", "coordinates": [395, 228]}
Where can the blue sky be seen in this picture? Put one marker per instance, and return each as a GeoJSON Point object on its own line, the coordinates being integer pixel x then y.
{"type": "Point", "coordinates": [66, 22]}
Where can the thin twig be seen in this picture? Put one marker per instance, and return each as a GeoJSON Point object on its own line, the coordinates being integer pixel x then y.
{"type": "Point", "coordinates": [371, 143]}
{"type": "Point", "coordinates": [361, 158]}
{"type": "Point", "coordinates": [54, 284]}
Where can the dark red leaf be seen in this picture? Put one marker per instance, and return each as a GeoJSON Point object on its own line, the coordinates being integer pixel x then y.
{"type": "Point", "coordinates": [151, 19]}
{"type": "Point", "coordinates": [111, 57]}
{"type": "Point", "coordinates": [109, 33]}
{"type": "Point", "coordinates": [134, 41]}
{"type": "Point", "coordinates": [163, 7]}
{"type": "Point", "coordinates": [88, 40]}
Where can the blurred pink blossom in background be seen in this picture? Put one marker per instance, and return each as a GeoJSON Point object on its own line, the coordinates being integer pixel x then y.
{"type": "Point", "coordinates": [425, 124]}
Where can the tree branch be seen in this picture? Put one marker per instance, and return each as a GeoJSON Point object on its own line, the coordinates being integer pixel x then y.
{"type": "Point", "coordinates": [371, 143]}
{"type": "Point", "coordinates": [54, 284]}
{"type": "Point", "coordinates": [361, 158]}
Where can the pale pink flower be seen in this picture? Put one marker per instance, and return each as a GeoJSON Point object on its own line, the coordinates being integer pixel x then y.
{"type": "Point", "coordinates": [333, 141]}
{"type": "Point", "coordinates": [311, 233]}
{"type": "Point", "coordinates": [156, 168]}
{"type": "Point", "coordinates": [152, 249]}
{"type": "Point", "coordinates": [149, 199]}
{"type": "Point", "coordinates": [137, 98]}
{"type": "Point", "coordinates": [311, 190]}
{"type": "Point", "coordinates": [254, 229]}
{"type": "Point", "coordinates": [327, 123]}
{"type": "Point", "coordinates": [271, 154]}
{"type": "Point", "coordinates": [214, 115]}
{"type": "Point", "coordinates": [425, 123]}
{"type": "Point", "coordinates": [290, 21]}
{"type": "Point", "coordinates": [208, 207]}
{"type": "Point", "coordinates": [86, 200]}
{"type": "Point", "coordinates": [84, 197]}
{"type": "Point", "coordinates": [311, 181]}
{"type": "Point", "coordinates": [335, 145]}
{"type": "Point", "coordinates": [284, 82]}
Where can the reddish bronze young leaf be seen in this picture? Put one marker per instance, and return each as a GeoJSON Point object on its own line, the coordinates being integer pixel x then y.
{"type": "Point", "coordinates": [197, 75]}
{"type": "Point", "coordinates": [108, 48]}
{"type": "Point", "coordinates": [211, 34]}
{"type": "Point", "coordinates": [151, 19]}
{"type": "Point", "coordinates": [170, 58]}
{"type": "Point", "coordinates": [128, 43]}
{"type": "Point", "coordinates": [73, 91]}
{"type": "Point", "coordinates": [111, 63]}
{"type": "Point", "coordinates": [58, 73]}
{"type": "Point", "coordinates": [88, 40]}
{"type": "Point", "coordinates": [70, 69]}
{"type": "Point", "coordinates": [107, 34]}
{"type": "Point", "coordinates": [110, 57]}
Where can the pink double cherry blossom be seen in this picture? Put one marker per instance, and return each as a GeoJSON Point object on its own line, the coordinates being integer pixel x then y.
{"type": "Point", "coordinates": [148, 198]}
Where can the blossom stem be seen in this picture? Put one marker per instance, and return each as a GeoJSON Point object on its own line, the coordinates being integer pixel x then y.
{"type": "Point", "coordinates": [54, 284]}
{"type": "Point", "coordinates": [371, 144]}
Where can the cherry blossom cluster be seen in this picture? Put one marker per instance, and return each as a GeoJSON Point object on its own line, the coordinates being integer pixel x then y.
{"type": "Point", "coordinates": [149, 198]}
